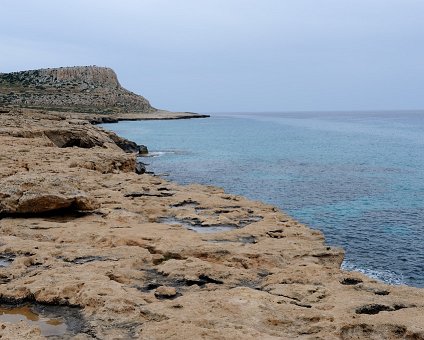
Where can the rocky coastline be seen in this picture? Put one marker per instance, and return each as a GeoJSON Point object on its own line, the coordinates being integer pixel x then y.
{"type": "Point", "coordinates": [139, 257]}
{"type": "Point", "coordinates": [89, 249]}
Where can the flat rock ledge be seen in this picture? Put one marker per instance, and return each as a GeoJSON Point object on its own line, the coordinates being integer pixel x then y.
{"type": "Point", "coordinates": [139, 257]}
{"type": "Point", "coordinates": [35, 194]}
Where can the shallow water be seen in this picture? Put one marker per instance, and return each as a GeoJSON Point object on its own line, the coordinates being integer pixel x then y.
{"type": "Point", "coordinates": [6, 259]}
{"type": "Point", "coordinates": [357, 176]}
{"type": "Point", "coordinates": [47, 326]}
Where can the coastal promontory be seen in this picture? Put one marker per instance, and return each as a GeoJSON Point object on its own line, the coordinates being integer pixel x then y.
{"type": "Point", "coordinates": [78, 89]}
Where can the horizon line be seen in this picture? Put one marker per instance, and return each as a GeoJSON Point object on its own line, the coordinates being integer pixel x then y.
{"type": "Point", "coordinates": [317, 111]}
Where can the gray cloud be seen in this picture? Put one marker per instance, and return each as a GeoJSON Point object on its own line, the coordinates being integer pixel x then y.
{"type": "Point", "coordinates": [233, 55]}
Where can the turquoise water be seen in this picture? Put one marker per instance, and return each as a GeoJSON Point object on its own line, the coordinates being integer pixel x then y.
{"type": "Point", "coordinates": [358, 176]}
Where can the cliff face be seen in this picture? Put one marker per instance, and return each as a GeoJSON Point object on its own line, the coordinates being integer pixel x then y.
{"type": "Point", "coordinates": [81, 89]}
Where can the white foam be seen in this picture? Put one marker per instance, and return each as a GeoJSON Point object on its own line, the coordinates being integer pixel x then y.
{"type": "Point", "coordinates": [385, 276]}
{"type": "Point", "coordinates": [158, 153]}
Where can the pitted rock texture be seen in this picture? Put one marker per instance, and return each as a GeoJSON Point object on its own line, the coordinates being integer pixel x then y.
{"type": "Point", "coordinates": [81, 89]}
{"type": "Point", "coordinates": [33, 194]}
{"type": "Point", "coordinates": [137, 270]}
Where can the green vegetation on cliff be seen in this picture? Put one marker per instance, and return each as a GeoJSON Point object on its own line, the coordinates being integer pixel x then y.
{"type": "Point", "coordinates": [89, 89]}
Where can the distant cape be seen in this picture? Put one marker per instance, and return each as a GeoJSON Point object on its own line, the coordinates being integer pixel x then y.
{"type": "Point", "coordinates": [90, 89]}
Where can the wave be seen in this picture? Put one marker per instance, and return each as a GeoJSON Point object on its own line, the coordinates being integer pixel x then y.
{"type": "Point", "coordinates": [158, 153]}
{"type": "Point", "coordinates": [385, 276]}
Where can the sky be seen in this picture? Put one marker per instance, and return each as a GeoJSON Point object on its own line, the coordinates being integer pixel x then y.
{"type": "Point", "coordinates": [231, 55]}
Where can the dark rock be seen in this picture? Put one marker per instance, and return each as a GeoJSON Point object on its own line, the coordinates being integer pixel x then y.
{"type": "Point", "coordinates": [124, 144]}
{"type": "Point", "coordinates": [277, 233]}
{"type": "Point", "coordinates": [148, 194]}
{"type": "Point", "coordinates": [350, 281]}
{"type": "Point", "coordinates": [184, 203]}
{"type": "Point", "coordinates": [377, 308]}
{"type": "Point", "coordinates": [203, 279]}
{"type": "Point", "coordinates": [143, 150]}
{"type": "Point", "coordinates": [140, 168]}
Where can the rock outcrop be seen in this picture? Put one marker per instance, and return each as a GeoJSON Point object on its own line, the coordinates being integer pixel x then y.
{"type": "Point", "coordinates": [157, 260]}
{"type": "Point", "coordinates": [88, 89]}
{"type": "Point", "coordinates": [35, 194]}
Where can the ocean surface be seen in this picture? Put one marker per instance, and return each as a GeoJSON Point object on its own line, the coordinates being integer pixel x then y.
{"type": "Point", "coordinates": [357, 176]}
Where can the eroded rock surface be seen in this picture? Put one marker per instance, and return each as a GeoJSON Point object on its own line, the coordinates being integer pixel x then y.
{"type": "Point", "coordinates": [137, 270]}
{"type": "Point", "coordinates": [29, 193]}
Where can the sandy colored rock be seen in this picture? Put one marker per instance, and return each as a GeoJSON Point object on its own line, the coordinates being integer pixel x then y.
{"type": "Point", "coordinates": [265, 277]}
{"type": "Point", "coordinates": [165, 292]}
{"type": "Point", "coordinates": [30, 193]}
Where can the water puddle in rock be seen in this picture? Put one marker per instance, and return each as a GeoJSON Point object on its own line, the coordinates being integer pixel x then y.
{"type": "Point", "coordinates": [197, 227]}
{"type": "Point", "coordinates": [47, 326]}
{"type": "Point", "coordinates": [51, 320]}
{"type": "Point", "coordinates": [211, 228]}
{"type": "Point", "coordinates": [6, 259]}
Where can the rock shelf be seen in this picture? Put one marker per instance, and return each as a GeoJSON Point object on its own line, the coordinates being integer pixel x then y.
{"type": "Point", "coordinates": [78, 227]}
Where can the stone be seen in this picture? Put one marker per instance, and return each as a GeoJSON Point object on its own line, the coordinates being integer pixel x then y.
{"type": "Point", "coordinates": [143, 150]}
{"type": "Point", "coordinates": [165, 292]}
{"type": "Point", "coordinates": [34, 194]}
{"type": "Point", "coordinates": [140, 168]}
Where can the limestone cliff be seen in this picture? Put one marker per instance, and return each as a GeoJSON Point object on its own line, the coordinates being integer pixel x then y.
{"type": "Point", "coordinates": [81, 89]}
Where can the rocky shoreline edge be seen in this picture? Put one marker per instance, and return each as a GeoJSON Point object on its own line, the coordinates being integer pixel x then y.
{"type": "Point", "coordinates": [158, 115]}
{"type": "Point", "coordinates": [108, 254]}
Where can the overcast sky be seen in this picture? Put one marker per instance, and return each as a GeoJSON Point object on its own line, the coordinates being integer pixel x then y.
{"type": "Point", "coordinates": [231, 55]}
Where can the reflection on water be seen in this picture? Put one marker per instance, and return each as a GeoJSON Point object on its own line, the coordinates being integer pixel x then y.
{"type": "Point", "coordinates": [6, 259]}
{"type": "Point", "coordinates": [47, 326]}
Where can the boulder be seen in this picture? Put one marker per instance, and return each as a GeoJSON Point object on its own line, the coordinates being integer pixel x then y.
{"type": "Point", "coordinates": [142, 150]}
{"type": "Point", "coordinates": [165, 292]}
{"type": "Point", "coordinates": [35, 194]}
{"type": "Point", "coordinates": [140, 168]}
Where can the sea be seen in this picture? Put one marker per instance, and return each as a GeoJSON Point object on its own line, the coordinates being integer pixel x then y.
{"type": "Point", "coordinates": [356, 176]}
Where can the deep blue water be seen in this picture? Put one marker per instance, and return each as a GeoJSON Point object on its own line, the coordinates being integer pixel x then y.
{"type": "Point", "coordinates": [358, 176]}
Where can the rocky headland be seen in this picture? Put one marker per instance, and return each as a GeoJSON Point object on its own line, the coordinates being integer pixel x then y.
{"type": "Point", "coordinates": [101, 252]}
{"type": "Point", "coordinates": [82, 89]}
